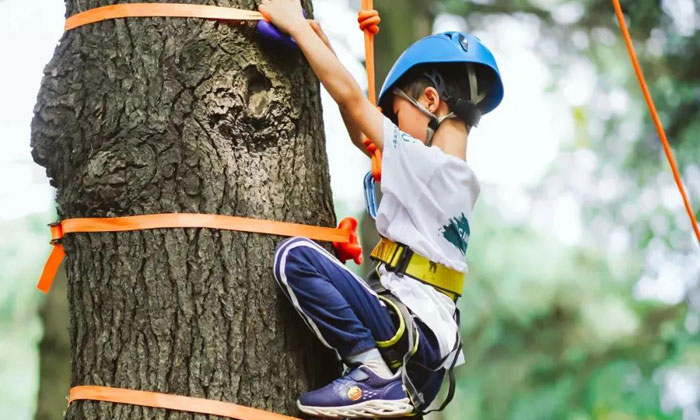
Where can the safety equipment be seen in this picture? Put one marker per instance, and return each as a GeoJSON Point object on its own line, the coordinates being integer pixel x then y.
{"type": "Point", "coordinates": [398, 351]}
{"type": "Point", "coordinates": [344, 237]}
{"type": "Point", "coordinates": [171, 402]}
{"type": "Point", "coordinates": [403, 261]}
{"type": "Point", "coordinates": [368, 20]}
{"type": "Point", "coordinates": [446, 48]}
{"type": "Point", "coordinates": [266, 30]}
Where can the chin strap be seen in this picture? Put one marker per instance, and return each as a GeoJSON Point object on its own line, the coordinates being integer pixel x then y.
{"type": "Point", "coordinates": [435, 121]}
{"type": "Point", "coordinates": [466, 110]}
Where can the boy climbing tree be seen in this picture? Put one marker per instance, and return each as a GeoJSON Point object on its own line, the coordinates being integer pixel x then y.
{"type": "Point", "coordinates": [398, 333]}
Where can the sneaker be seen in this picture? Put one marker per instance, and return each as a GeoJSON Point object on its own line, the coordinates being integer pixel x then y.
{"type": "Point", "coordinates": [360, 393]}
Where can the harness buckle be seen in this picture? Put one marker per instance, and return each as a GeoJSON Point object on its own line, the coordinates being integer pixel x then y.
{"type": "Point", "coordinates": [56, 233]}
{"type": "Point", "coordinates": [404, 260]}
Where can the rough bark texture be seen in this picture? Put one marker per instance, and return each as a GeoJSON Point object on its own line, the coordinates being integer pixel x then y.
{"type": "Point", "coordinates": [139, 116]}
{"type": "Point", "coordinates": [54, 353]}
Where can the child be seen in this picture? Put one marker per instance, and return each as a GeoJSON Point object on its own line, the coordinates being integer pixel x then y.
{"type": "Point", "coordinates": [400, 335]}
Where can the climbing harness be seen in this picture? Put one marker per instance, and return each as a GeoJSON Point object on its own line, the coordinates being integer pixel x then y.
{"type": "Point", "coordinates": [655, 116]}
{"type": "Point", "coordinates": [403, 261]}
{"type": "Point", "coordinates": [344, 237]}
{"type": "Point", "coordinates": [393, 349]}
{"type": "Point", "coordinates": [398, 351]}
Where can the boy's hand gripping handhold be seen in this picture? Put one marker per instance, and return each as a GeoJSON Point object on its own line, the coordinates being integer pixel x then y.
{"type": "Point", "coordinates": [272, 33]}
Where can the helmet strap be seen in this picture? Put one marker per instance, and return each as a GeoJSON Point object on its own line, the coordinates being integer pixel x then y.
{"type": "Point", "coordinates": [434, 122]}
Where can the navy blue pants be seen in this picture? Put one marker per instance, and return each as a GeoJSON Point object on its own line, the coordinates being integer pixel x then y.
{"type": "Point", "coordinates": [344, 312]}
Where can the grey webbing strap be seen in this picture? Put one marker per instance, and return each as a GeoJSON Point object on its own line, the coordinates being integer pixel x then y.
{"type": "Point", "coordinates": [416, 397]}
{"type": "Point", "coordinates": [474, 96]}
{"type": "Point", "coordinates": [435, 121]}
{"type": "Point", "coordinates": [451, 370]}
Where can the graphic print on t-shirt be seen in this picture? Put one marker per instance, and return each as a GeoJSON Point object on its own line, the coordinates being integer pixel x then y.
{"type": "Point", "coordinates": [456, 232]}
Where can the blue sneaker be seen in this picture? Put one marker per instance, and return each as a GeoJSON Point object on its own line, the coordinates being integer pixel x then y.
{"type": "Point", "coordinates": [360, 393]}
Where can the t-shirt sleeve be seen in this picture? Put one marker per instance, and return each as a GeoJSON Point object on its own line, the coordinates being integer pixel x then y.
{"type": "Point", "coordinates": [407, 164]}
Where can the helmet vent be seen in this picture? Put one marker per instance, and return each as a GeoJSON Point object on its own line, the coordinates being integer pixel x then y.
{"type": "Point", "coordinates": [463, 42]}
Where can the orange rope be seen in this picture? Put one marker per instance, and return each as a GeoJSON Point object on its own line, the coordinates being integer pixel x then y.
{"type": "Point", "coordinates": [368, 18]}
{"type": "Point", "coordinates": [655, 116]}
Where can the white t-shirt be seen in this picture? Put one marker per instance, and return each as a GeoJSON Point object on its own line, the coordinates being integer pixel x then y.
{"type": "Point", "coordinates": [427, 202]}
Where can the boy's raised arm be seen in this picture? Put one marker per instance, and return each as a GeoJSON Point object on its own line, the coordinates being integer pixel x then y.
{"type": "Point", "coordinates": [287, 16]}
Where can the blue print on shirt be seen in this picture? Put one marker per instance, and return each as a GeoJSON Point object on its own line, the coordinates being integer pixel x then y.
{"type": "Point", "coordinates": [398, 133]}
{"type": "Point", "coordinates": [456, 232]}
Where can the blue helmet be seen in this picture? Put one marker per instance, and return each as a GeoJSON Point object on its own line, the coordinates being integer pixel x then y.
{"type": "Point", "coordinates": [446, 47]}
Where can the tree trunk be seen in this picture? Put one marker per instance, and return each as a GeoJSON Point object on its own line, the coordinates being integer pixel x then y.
{"type": "Point", "coordinates": [400, 27]}
{"type": "Point", "coordinates": [160, 115]}
{"type": "Point", "coordinates": [54, 353]}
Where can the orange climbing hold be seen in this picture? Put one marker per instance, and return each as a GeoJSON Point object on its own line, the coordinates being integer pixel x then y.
{"type": "Point", "coordinates": [350, 250]}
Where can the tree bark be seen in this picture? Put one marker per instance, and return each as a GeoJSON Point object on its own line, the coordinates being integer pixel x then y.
{"type": "Point", "coordinates": [161, 115]}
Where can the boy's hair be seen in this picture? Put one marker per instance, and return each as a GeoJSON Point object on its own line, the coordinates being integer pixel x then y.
{"type": "Point", "coordinates": [454, 76]}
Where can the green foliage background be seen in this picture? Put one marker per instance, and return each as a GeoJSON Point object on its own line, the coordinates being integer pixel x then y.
{"type": "Point", "coordinates": [552, 331]}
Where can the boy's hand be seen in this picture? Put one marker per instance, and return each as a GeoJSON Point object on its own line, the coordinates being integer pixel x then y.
{"type": "Point", "coordinates": [286, 15]}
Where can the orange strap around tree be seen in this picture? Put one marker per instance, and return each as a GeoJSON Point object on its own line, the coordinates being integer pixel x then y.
{"type": "Point", "coordinates": [368, 19]}
{"type": "Point", "coordinates": [655, 115]}
{"type": "Point", "coordinates": [171, 402]}
{"type": "Point", "coordinates": [342, 236]}
{"type": "Point", "coordinates": [182, 10]}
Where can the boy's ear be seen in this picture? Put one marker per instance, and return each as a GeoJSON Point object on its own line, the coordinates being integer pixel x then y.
{"type": "Point", "coordinates": [432, 99]}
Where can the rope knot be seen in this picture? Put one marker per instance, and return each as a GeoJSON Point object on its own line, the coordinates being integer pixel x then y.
{"type": "Point", "coordinates": [371, 147]}
{"type": "Point", "coordinates": [369, 21]}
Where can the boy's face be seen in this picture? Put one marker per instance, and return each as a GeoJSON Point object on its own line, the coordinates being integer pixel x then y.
{"type": "Point", "coordinates": [409, 119]}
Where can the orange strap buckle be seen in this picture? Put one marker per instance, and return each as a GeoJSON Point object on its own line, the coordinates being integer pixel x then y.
{"type": "Point", "coordinates": [344, 237]}
{"type": "Point", "coordinates": [171, 402]}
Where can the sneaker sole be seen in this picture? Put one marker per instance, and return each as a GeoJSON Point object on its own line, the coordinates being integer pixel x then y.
{"type": "Point", "coordinates": [381, 408]}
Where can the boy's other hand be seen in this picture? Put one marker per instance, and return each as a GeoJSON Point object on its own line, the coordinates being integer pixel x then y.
{"type": "Point", "coordinates": [286, 15]}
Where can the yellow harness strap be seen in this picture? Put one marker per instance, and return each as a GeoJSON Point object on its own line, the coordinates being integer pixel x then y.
{"type": "Point", "coordinates": [444, 279]}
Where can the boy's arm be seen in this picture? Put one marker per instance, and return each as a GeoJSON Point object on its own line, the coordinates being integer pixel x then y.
{"type": "Point", "coordinates": [356, 135]}
{"type": "Point", "coordinates": [355, 108]}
